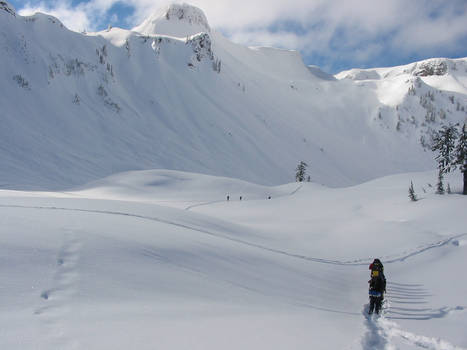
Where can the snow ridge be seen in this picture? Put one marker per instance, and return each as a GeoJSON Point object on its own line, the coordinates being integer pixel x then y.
{"type": "Point", "coordinates": [425, 68]}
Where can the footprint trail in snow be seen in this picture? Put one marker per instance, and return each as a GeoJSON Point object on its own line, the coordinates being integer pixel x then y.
{"type": "Point", "coordinates": [384, 333]}
{"type": "Point", "coordinates": [55, 300]}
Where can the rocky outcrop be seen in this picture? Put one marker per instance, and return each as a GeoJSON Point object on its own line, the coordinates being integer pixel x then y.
{"type": "Point", "coordinates": [5, 6]}
{"type": "Point", "coordinates": [430, 68]}
{"type": "Point", "coordinates": [189, 14]}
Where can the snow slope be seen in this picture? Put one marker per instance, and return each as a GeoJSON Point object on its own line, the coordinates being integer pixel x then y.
{"type": "Point", "coordinates": [160, 259]}
{"type": "Point", "coordinates": [175, 94]}
{"type": "Point", "coordinates": [417, 97]}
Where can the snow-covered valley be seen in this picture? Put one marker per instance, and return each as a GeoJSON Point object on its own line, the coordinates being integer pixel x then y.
{"type": "Point", "coordinates": [147, 197]}
{"type": "Point", "coordinates": [132, 262]}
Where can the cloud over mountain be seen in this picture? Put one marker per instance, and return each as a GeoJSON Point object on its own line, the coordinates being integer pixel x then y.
{"type": "Point", "coordinates": [331, 33]}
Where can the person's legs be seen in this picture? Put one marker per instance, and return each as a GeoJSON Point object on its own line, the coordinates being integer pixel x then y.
{"type": "Point", "coordinates": [378, 303]}
{"type": "Point", "coordinates": [372, 305]}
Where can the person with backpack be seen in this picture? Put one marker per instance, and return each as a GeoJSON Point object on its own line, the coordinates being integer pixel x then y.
{"type": "Point", "coordinates": [377, 265]}
{"type": "Point", "coordinates": [377, 285]}
{"type": "Point", "coordinates": [376, 291]}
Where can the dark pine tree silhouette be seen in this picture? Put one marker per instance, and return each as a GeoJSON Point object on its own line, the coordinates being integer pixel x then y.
{"type": "Point", "coordinates": [300, 171]}
{"type": "Point", "coordinates": [444, 143]}
{"type": "Point", "coordinates": [461, 155]}
{"type": "Point", "coordinates": [439, 185]}
{"type": "Point", "coordinates": [412, 195]}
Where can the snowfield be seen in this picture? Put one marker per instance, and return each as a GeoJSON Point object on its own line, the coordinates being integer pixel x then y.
{"type": "Point", "coordinates": [161, 260]}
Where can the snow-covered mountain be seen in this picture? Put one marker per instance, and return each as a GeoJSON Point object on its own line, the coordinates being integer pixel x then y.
{"type": "Point", "coordinates": [175, 94]}
{"type": "Point", "coordinates": [419, 96]}
{"type": "Point", "coordinates": [175, 20]}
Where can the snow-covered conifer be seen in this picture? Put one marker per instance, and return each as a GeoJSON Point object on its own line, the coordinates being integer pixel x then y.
{"type": "Point", "coordinates": [412, 195]}
{"type": "Point", "coordinates": [444, 143]}
{"type": "Point", "coordinates": [300, 171]}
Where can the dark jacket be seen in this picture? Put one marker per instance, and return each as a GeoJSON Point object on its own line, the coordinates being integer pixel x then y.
{"type": "Point", "coordinates": [377, 265]}
{"type": "Point", "coordinates": [377, 284]}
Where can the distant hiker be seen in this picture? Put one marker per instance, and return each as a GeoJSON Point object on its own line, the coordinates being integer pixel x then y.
{"type": "Point", "coordinates": [269, 197]}
{"type": "Point", "coordinates": [376, 291]}
{"type": "Point", "coordinates": [240, 197]}
{"type": "Point", "coordinates": [228, 197]}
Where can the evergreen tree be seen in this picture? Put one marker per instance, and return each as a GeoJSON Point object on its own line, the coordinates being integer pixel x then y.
{"type": "Point", "coordinates": [444, 142]}
{"type": "Point", "coordinates": [461, 155]}
{"type": "Point", "coordinates": [412, 195]}
{"type": "Point", "coordinates": [300, 172]}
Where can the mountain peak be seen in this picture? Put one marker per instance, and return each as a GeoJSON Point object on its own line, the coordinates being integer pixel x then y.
{"type": "Point", "coordinates": [179, 20]}
{"type": "Point", "coordinates": [5, 6]}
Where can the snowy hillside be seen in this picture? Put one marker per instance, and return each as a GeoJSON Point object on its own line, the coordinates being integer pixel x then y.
{"type": "Point", "coordinates": [175, 94]}
{"type": "Point", "coordinates": [160, 260]}
{"type": "Point", "coordinates": [418, 96]}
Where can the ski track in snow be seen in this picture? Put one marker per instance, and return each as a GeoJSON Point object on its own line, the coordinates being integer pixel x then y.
{"type": "Point", "coordinates": [403, 301]}
{"type": "Point", "coordinates": [363, 261]}
{"type": "Point", "coordinates": [54, 300]}
{"type": "Point", "coordinates": [203, 204]}
{"type": "Point", "coordinates": [356, 262]}
{"type": "Point", "coordinates": [407, 302]}
{"type": "Point", "coordinates": [223, 200]}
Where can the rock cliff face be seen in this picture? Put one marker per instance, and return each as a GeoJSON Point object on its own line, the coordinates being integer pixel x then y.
{"type": "Point", "coordinates": [174, 94]}
{"type": "Point", "coordinates": [187, 13]}
{"type": "Point", "coordinates": [432, 67]}
{"type": "Point", "coordinates": [179, 20]}
{"type": "Point", "coordinates": [5, 6]}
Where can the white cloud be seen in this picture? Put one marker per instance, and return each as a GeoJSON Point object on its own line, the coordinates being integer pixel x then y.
{"type": "Point", "coordinates": [84, 16]}
{"type": "Point", "coordinates": [73, 18]}
{"type": "Point", "coordinates": [362, 29]}
{"type": "Point", "coordinates": [425, 34]}
{"type": "Point", "coordinates": [281, 39]}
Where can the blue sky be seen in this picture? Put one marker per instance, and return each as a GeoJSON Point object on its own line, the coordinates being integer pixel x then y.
{"type": "Point", "coordinates": [333, 34]}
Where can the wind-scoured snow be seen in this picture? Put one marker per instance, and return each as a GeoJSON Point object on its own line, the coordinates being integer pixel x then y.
{"type": "Point", "coordinates": [161, 259]}
{"type": "Point", "coordinates": [173, 93]}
